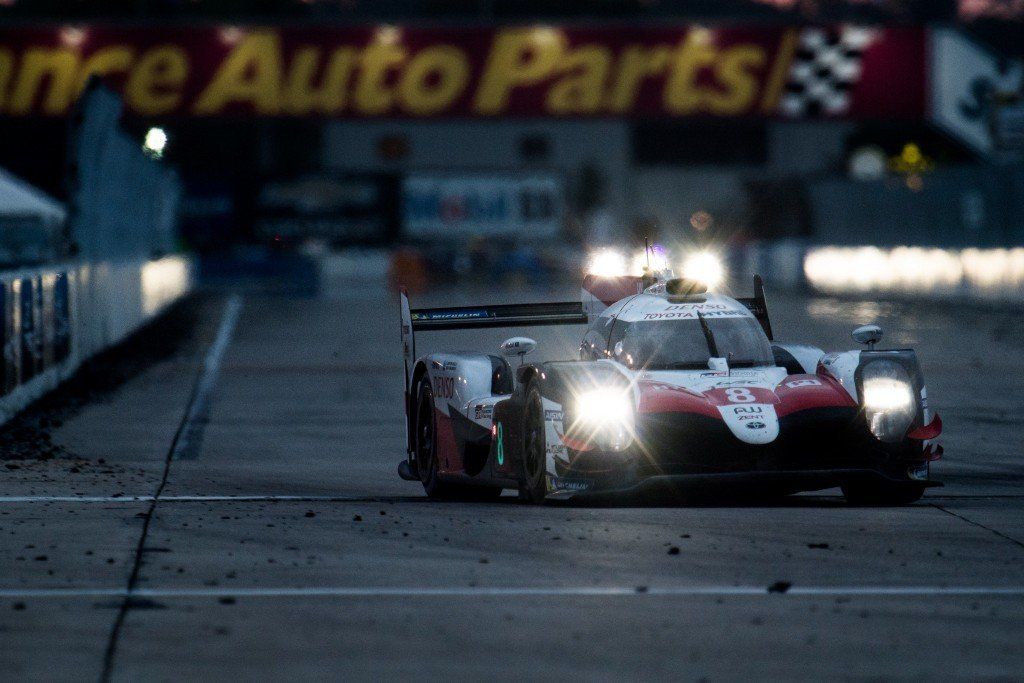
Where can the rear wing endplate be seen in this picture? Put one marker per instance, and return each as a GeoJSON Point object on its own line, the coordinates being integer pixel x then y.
{"type": "Point", "coordinates": [759, 307]}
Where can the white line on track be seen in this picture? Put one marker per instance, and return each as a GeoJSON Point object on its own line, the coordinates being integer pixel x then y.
{"type": "Point", "coordinates": [512, 591]}
{"type": "Point", "coordinates": [182, 499]}
{"type": "Point", "coordinates": [188, 445]}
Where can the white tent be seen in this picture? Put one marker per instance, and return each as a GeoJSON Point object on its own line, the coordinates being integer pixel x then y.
{"type": "Point", "coordinates": [31, 222]}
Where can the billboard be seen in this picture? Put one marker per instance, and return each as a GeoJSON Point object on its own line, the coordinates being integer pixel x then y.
{"type": "Point", "coordinates": [528, 206]}
{"type": "Point", "coordinates": [390, 71]}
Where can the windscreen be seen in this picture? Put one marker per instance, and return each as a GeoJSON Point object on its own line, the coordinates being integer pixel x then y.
{"type": "Point", "coordinates": [682, 344]}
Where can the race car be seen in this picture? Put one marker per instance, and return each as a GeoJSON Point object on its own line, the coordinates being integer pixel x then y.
{"type": "Point", "coordinates": [675, 389]}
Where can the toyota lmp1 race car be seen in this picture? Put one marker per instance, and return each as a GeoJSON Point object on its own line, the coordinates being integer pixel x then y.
{"type": "Point", "coordinates": [675, 388]}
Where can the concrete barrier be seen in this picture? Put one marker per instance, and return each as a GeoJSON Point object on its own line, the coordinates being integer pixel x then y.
{"type": "Point", "coordinates": [56, 317]}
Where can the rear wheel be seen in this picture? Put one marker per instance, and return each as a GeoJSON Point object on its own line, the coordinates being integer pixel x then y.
{"type": "Point", "coordinates": [426, 443]}
{"type": "Point", "coordinates": [426, 454]}
{"type": "Point", "coordinates": [879, 493]}
{"type": "Point", "coordinates": [533, 475]}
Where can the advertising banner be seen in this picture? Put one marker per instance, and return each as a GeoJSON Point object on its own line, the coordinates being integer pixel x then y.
{"type": "Point", "coordinates": [549, 71]}
{"type": "Point", "coordinates": [492, 205]}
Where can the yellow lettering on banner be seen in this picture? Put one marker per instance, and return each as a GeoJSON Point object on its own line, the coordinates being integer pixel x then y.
{"type": "Point", "coordinates": [415, 91]}
{"type": "Point", "coordinates": [154, 84]}
{"type": "Point", "coordinates": [6, 68]}
{"type": "Point", "coordinates": [59, 66]}
{"type": "Point", "coordinates": [693, 54]}
{"type": "Point", "coordinates": [735, 71]}
{"type": "Point", "coordinates": [104, 62]}
{"type": "Point", "coordinates": [373, 95]}
{"type": "Point", "coordinates": [251, 74]}
{"type": "Point", "coordinates": [301, 93]}
{"type": "Point", "coordinates": [580, 92]}
{"type": "Point", "coordinates": [518, 57]}
{"type": "Point", "coordinates": [635, 64]}
{"type": "Point", "coordinates": [777, 77]}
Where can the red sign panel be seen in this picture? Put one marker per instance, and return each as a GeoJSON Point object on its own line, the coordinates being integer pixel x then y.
{"type": "Point", "coordinates": [434, 72]}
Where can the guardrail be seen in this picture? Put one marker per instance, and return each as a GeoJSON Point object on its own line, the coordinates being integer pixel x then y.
{"type": "Point", "coordinates": [56, 317]}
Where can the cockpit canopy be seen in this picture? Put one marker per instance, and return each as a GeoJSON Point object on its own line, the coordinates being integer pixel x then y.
{"type": "Point", "coordinates": [678, 338]}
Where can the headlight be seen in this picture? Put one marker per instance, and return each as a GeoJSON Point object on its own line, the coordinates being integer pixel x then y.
{"type": "Point", "coordinates": [607, 263]}
{"type": "Point", "coordinates": [604, 417]}
{"type": "Point", "coordinates": [704, 267]}
{"type": "Point", "coordinates": [888, 399]}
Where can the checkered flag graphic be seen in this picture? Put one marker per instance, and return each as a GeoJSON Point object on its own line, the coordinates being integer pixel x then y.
{"type": "Point", "coordinates": [826, 65]}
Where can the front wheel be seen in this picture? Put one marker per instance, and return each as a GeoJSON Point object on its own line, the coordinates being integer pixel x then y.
{"type": "Point", "coordinates": [881, 493]}
{"type": "Point", "coordinates": [533, 464]}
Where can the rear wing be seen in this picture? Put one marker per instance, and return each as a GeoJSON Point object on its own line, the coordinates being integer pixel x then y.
{"type": "Point", "coordinates": [479, 317]}
{"type": "Point", "coordinates": [759, 306]}
{"type": "Point", "coordinates": [502, 315]}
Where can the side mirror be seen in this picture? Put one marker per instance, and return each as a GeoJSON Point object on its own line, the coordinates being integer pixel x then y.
{"type": "Point", "coordinates": [517, 346]}
{"type": "Point", "coordinates": [868, 334]}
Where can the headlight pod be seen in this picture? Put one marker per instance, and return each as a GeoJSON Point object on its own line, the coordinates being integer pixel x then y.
{"type": "Point", "coordinates": [603, 417]}
{"type": "Point", "coordinates": [887, 395]}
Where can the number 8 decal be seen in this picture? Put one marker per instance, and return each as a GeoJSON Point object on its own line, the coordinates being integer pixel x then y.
{"type": "Point", "coordinates": [740, 395]}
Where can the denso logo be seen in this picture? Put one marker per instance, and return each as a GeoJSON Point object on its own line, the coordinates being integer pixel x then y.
{"type": "Point", "coordinates": [444, 387]}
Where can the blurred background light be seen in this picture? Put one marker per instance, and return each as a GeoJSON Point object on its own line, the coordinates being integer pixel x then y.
{"type": "Point", "coordinates": [72, 36]}
{"type": "Point", "coordinates": [607, 263]}
{"type": "Point", "coordinates": [915, 270]}
{"type": "Point", "coordinates": [388, 35]}
{"type": "Point", "coordinates": [155, 142]}
{"type": "Point", "coordinates": [230, 35]}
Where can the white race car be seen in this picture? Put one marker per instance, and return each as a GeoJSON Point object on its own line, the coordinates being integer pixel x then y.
{"type": "Point", "coordinates": [675, 387]}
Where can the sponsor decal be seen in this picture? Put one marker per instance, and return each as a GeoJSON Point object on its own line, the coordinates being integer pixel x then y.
{"type": "Point", "coordinates": [566, 484]}
{"type": "Point", "coordinates": [661, 70]}
{"type": "Point", "coordinates": [748, 412]}
{"type": "Point", "coordinates": [919, 472]}
{"type": "Point", "coordinates": [450, 366]}
{"type": "Point", "coordinates": [755, 425]}
{"type": "Point", "coordinates": [688, 315]}
{"type": "Point", "coordinates": [803, 383]}
{"type": "Point", "coordinates": [444, 387]}
{"type": "Point", "coordinates": [553, 415]}
{"type": "Point", "coordinates": [556, 449]}
{"type": "Point", "coordinates": [483, 411]}
{"type": "Point", "coordinates": [451, 315]}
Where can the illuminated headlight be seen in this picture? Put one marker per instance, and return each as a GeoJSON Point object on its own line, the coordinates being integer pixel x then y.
{"type": "Point", "coordinates": [607, 263]}
{"type": "Point", "coordinates": [704, 267]}
{"type": "Point", "coordinates": [604, 417]}
{"type": "Point", "coordinates": [888, 399]}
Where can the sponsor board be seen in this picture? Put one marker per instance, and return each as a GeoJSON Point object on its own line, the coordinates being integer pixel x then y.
{"type": "Point", "coordinates": [657, 70]}
{"type": "Point", "coordinates": [437, 205]}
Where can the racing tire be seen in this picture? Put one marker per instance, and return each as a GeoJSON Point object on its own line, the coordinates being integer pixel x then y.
{"type": "Point", "coordinates": [533, 463]}
{"type": "Point", "coordinates": [425, 443]}
{"type": "Point", "coordinates": [882, 493]}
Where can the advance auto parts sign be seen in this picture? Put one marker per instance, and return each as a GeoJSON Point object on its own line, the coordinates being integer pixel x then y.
{"type": "Point", "coordinates": [428, 72]}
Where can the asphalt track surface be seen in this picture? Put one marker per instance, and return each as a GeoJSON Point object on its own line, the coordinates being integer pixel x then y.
{"type": "Point", "coordinates": [234, 511]}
